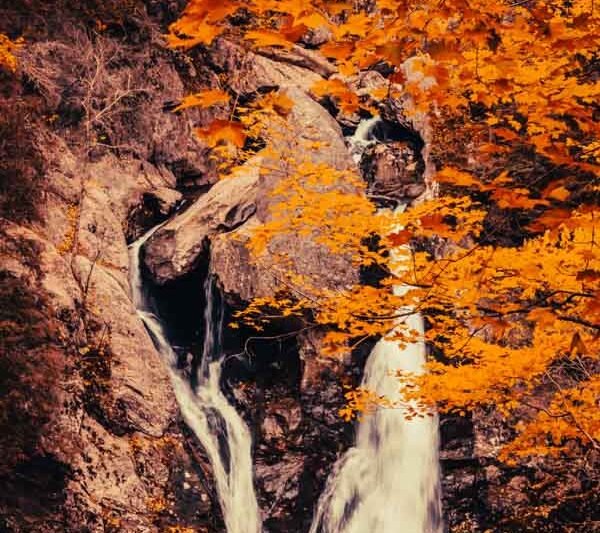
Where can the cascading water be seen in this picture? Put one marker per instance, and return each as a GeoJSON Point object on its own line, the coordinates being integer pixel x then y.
{"type": "Point", "coordinates": [363, 137]}
{"type": "Point", "coordinates": [388, 482]}
{"type": "Point", "coordinates": [219, 428]}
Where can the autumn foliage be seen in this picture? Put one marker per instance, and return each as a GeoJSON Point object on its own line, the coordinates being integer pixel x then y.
{"type": "Point", "coordinates": [514, 320]}
{"type": "Point", "coordinates": [8, 49]}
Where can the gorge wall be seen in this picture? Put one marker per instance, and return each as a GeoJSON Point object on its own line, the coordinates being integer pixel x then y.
{"type": "Point", "coordinates": [93, 156]}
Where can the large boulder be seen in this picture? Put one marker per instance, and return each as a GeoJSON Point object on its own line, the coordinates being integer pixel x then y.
{"type": "Point", "coordinates": [225, 217]}
{"type": "Point", "coordinates": [175, 248]}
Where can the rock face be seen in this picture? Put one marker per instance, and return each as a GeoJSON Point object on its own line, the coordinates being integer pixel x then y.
{"type": "Point", "coordinates": [224, 218]}
{"type": "Point", "coordinates": [174, 250]}
{"type": "Point", "coordinates": [156, 206]}
{"type": "Point", "coordinates": [482, 493]}
{"type": "Point", "coordinates": [97, 442]}
{"type": "Point", "coordinates": [102, 446]}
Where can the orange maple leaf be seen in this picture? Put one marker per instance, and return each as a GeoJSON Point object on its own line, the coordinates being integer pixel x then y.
{"type": "Point", "coordinates": [203, 33]}
{"type": "Point", "coordinates": [203, 99]}
{"type": "Point", "coordinates": [268, 38]}
{"type": "Point", "coordinates": [459, 178]}
{"type": "Point", "coordinates": [223, 131]}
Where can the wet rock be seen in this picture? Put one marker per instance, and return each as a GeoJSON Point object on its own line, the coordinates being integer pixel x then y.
{"type": "Point", "coordinates": [166, 199]}
{"type": "Point", "coordinates": [281, 423]}
{"type": "Point", "coordinates": [456, 434]}
{"type": "Point", "coordinates": [490, 433]}
{"type": "Point", "coordinates": [279, 484]}
{"type": "Point", "coordinates": [156, 207]}
{"type": "Point", "coordinates": [393, 172]}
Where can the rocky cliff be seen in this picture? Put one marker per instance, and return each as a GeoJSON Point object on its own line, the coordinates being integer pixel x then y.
{"type": "Point", "coordinates": [94, 441]}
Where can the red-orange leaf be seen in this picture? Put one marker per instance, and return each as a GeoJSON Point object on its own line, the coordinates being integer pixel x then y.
{"type": "Point", "coordinates": [400, 238]}
{"type": "Point", "coordinates": [223, 131]}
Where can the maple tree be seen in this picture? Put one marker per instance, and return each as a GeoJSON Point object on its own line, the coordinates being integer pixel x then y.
{"type": "Point", "coordinates": [516, 323]}
{"type": "Point", "coordinates": [8, 49]}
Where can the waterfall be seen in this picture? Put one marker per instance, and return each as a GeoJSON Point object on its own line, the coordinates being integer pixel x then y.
{"type": "Point", "coordinates": [363, 137]}
{"type": "Point", "coordinates": [388, 482]}
{"type": "Point", "coordinates": [219, 428]}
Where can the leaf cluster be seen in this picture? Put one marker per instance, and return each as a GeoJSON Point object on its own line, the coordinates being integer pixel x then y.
{"type": "Point", "coordinates": [516, 325]}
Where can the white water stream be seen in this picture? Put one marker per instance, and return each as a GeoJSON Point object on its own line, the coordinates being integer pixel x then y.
{"type": "Point", "coordinates": [388, 482]}
{"type": "Point", "coordinates": [219, 428]}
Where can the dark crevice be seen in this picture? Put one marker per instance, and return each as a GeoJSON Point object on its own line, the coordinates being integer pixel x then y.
{"type": "Point", "coordinates": [180, 304]}
{"type": "Point", "coordinates": [388, 132]}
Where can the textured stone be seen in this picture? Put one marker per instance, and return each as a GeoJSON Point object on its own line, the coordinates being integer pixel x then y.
{"type": "Point", "coordinates": [301, 57]}
{"type": "Point", "coordinates": [174, 250]}
{"type": "Point", "coordinates": [393, 172]}
{"type": "Point", "coordinates": [106, 449]}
